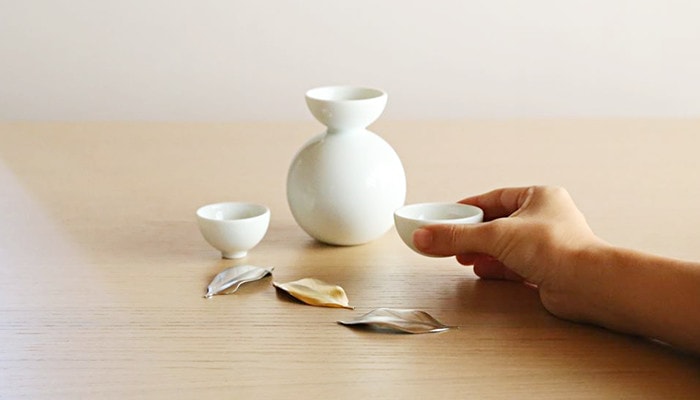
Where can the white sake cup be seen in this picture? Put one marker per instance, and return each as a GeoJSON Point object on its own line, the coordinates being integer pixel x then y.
{"type": "Point", "coordinates": [233, 228]}
{"type": "Point", "coordinates": [412, 217]}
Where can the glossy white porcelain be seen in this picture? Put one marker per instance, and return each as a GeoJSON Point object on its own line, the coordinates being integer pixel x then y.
{"type": "Point", "coordinates": [346, 107]}
{"type": "Point", "coordinates": [411, 217]}
{"type": "Point", "coordinates": [344, 184]}
{"type": "Point", "coordinates": [233, 228]}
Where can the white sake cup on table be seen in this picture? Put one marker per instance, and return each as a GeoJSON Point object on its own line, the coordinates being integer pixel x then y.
{"type": "Point", "coordinates": [233, 228]}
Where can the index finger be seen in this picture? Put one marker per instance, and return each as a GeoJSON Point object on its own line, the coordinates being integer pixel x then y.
{"type": "Point", "coordinates": [500, 203]}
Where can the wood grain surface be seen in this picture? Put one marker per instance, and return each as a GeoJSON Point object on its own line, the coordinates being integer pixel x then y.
{"type": "Point", "coordinates": [102, 267]}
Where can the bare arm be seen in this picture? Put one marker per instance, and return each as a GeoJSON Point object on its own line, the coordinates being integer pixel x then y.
{"type": "Point", "coordinates": [538, 235]}
{"type": "Point", "coordinates": [642, 294]}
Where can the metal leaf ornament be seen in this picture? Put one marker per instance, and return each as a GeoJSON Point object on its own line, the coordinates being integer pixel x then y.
{"type": "Point", "coordinates": [316, 293]}
{"type": "Point", "coordinates": [399, 320]}
{"type": "Point", "coordinates": [230, 279]}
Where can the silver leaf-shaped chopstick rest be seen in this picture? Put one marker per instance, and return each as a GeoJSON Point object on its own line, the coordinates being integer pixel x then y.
{"type": "Point", "coordinates": [399, 320]}
{"type": "Point", "coordinates": [230, 279]}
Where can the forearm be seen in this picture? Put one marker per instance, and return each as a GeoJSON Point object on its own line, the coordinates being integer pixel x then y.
{"type": "Point", "coordinates": [642, 294]}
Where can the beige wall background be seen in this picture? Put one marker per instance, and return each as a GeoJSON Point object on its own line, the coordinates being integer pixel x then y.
{"type": "Point", "coordinates": [252, 60]}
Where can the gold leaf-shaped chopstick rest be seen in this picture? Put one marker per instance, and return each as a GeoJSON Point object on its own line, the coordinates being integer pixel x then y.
{"type": "Point", "coordinates": [315, 292]}
{"type": "Point", "coordinates": [230, 279]}
{"type": "Point", "coordinates": [398, 320]}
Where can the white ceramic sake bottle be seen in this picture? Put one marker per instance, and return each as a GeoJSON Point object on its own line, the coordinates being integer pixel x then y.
{"type": "Point", "coordinates": [345, 183]}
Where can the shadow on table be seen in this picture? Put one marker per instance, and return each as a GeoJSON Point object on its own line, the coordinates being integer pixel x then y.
{"type": "Point", "coordinates": [508, 315]}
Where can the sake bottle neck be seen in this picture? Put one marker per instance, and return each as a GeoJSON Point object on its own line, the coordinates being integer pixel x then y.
{"type": "Point", "coordinates": [345, 130]}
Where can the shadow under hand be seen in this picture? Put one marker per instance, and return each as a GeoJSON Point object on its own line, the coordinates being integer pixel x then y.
{"type": "Point", "coordinates": [509, 315]}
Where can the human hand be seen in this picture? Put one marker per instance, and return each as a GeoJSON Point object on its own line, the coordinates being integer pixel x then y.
{"type": "Point", "coordinates": [532, 234]}
{"type": "Point", "coordinates": [537, 235]}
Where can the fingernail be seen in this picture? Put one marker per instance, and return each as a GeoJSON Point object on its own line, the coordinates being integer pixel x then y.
{"type": "Point", "coordinates": [422, 238]}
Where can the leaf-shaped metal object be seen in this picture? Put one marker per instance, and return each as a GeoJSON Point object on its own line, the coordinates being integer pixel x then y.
{"type": "Point", "coordinates": [230, 279]}
{"type": "Point", "coordinates": [409, 321]}
{"type": "Point", "coordinates": [316, 292]}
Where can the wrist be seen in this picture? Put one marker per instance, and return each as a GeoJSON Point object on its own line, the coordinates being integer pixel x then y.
{"type": "Point", "coordinates": [583, 286]}
{"type": "Point", "coordinates": [633, 292]}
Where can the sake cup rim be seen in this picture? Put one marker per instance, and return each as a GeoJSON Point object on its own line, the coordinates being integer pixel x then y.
{"type": "Point", "coordinates": [410, 212]}
{"type": "Point", "coordinates": [345, 93]}
{"type": "Point", "coordinates": [258, 210]}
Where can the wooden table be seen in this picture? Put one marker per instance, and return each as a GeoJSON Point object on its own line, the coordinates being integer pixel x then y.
{"type": "Point", "coordinates": [102, 267]}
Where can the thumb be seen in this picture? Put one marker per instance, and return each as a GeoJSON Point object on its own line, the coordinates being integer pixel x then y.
{"type": "Point", "coordinates": [450, 240]}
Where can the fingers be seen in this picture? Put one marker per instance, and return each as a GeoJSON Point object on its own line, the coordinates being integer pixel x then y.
{"type": "Point", "coordinates": [449, 240]}
{"type": "Point", "coordinates": [501, 202]}
{"type": "Point", "coordinates": [489, 268]}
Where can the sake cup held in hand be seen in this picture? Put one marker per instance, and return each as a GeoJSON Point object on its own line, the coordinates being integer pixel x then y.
{"type": "Point", "coordinates": [233, 228]}
{"type": "Point", "coordinates": [412, 217]}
